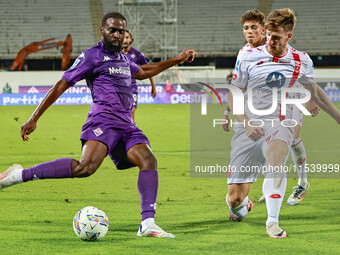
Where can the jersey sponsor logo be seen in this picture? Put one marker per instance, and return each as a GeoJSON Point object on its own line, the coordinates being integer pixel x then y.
{"type": "Point", "coordinates": [120, 70]}
{"type": "Point", "coordinates": [235, 76]}
{"type": "Point", "coordinates": [275, 80]}
{"type": "Point", "coordinates": [98, 131]}
{"type": "Point", "coordinates": [75, 63]}
{"type": "Point", "coordinates": [82, 55]}
{"type": "Point", "coordinates": [106, 58]}
{"type": "Point", "coordinates": [283, 61]}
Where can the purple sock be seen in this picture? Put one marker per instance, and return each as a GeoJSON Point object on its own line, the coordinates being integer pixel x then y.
{"type": "Point", "coordinates": [148, 187]}
{"type": "Point", "coordinates": [59, 168]}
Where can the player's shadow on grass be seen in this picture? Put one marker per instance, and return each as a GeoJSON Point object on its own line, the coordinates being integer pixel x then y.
{"type": "Point", "coordinates": [196, 226]}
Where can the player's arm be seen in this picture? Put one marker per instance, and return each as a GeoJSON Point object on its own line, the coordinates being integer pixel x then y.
{"type": "Point", "coordinates": [313, 108]}
{"type": "Point", "coordinates": [149, 70]}
{"type": "Point", "coordinates": [320, 98]}
{"type": "Point", "coordinates": [226, 117]}
{"type": "Point", "coordinates": [52, 95]}
{"type": "Point", "coordinates": [252, 132]}
{"type": "Point", "coordinates": [153, 87]}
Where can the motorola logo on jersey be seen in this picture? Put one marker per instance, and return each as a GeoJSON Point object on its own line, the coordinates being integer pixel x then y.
{"type": "Point", "coordinates": [275, 80]}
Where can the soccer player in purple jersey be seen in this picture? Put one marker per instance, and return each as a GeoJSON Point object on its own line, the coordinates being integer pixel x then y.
{"type": "Point", "coordinates": [109, 128]}
{"type": "Point", "coordinates": [138, 58]}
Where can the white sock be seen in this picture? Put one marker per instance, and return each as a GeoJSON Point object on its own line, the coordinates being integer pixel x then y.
{"type": "Point", "coordinates": [240, 211]}
{"type": "Point", "coordinates": [274, 188]}
{"type": "Point", "coordinates": [299, 157]}
{"type": "Point", "coordinates": [17, 174]}
{"type": "Point", "coordinates": [147, 222]}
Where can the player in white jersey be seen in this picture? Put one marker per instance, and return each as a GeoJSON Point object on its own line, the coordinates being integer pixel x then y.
{"type": "Point", "coordinates": [263, 141]}
{"type": "Point", "coordinates": [253, 31]}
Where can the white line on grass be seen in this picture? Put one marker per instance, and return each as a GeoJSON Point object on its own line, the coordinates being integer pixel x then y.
{"type": "Point", "coordinates": [157, 153]}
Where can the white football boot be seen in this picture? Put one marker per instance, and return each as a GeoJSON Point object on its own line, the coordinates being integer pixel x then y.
{"type": "Point", "coordinates": [274, 231]}
{"type": "Point", "coordinates": [296, 197]}
{"type": "Point", "coordinates": [11, 176]}
{"type": "Point", "coordinates": [262, 199]}
{"type": "Point", "coordinates": [153, 230]}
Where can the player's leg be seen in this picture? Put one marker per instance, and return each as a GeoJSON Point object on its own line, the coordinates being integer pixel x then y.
{"type": "Point", "coordinates": [237, 200]}
{"type": "Point", "coordinates": [93, 154]}
{"type": "Point", "coordinates": [243, 154]}
{"type": "Point", "coordinates": [274, 185]}
{"type": "Point", "coordinates": [299, 157]}
{"type": "Point", "coordinates": [135, 102]}
{"type": "Point", "coordinates": [141, 155]}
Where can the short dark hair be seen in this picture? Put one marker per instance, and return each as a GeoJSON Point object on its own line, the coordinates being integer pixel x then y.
{"type": "Point", "coordinates": [253, 15]}
{"type": "Point", "coordinates": [127, 31]}
{"type": "Point", "coordinates": [116, 15]}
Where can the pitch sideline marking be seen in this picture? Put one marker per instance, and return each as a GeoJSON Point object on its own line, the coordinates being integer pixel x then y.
{"type": "Point", "coordinates": [159, 153]}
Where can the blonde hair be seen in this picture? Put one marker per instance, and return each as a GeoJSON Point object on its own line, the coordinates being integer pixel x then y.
{"type": "Point", "coordinates": [284, 18]}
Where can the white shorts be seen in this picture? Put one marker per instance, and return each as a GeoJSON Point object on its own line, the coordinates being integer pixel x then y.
{"type": "Point", "coordinates": [248, 156]}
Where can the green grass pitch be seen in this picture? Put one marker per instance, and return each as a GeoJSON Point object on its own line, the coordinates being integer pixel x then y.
{"type": "Point", "coordinates": [36, 217]}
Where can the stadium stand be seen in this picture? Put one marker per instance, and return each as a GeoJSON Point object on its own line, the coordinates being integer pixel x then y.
{"type": "Point", "coordinates": [317, 30]}
{"type": "Point", "coordinates": [213, 27]}
{"type": "Point", "coordinates": [210, 27]}
{"type": "Point", "coordinates": [26, 21]}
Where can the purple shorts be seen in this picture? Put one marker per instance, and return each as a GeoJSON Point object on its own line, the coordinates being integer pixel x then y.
{"type": "Point", "coordinates": [117, 134]}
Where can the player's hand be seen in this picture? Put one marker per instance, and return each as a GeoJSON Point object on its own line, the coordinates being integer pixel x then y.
{"type": "Point", "coordinates": [153, 92]}
{"type": "Point", "coordinates": [313, 108]}
{"type": "Point", "coordinates": [27, 129]}
{"type": "Point", "coordinates": [254, 133]}
{"type": "Point", "coordinates": [226, 125]}
{"type": "Point", "coordinates": [187, 55]}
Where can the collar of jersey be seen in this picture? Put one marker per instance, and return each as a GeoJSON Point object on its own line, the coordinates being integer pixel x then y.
{"type": "Point", "coordinates": [265, 49]}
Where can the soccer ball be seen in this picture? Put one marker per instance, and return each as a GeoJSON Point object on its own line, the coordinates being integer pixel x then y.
{"type": "Point", "coordinates": [90, 223]}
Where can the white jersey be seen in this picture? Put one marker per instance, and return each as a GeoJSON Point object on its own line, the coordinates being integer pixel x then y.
{"type": "Point", "coordinates": [247, 47]}
{"type": "Point", "coordinates": [259, 71]}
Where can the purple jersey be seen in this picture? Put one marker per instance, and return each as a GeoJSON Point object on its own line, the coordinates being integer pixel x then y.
{"type": "Point", "coordinates": [138, 58]}
{"type": "Point", "coordinates": [108, 76]}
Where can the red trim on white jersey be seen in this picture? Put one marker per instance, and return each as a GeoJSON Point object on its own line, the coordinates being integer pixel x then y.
{"type": "Point", "coordinates": [282, 117]}
{"type": "Point", "coordinates": [237, 86]}
{"type": "Point", "coordinates": [296, 70]}
{"type": "Point", "coordinates": [297, 142]}
{"type": "Point", "coordinates": [276, 58]}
